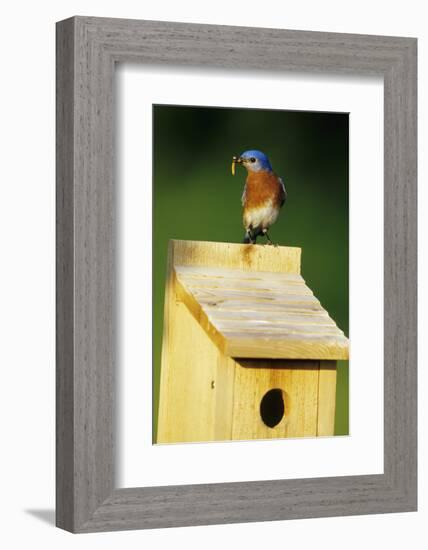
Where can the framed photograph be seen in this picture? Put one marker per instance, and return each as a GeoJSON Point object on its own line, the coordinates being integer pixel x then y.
{"type": "Point", "coordinates": [236, 274]}
{"type": "Point", "coordinates": [264, 322]}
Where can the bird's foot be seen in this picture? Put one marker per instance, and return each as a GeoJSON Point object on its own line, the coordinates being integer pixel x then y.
{"type": "Point", "coordinates": [269, 242]}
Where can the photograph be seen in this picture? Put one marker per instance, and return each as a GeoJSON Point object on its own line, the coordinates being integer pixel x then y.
{"type": "Point", "coordinates": [250, 274]}
{"type": "Point", "coordinates": [210, 275]}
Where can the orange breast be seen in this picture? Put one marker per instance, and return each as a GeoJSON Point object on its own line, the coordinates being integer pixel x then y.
{"type": "Point", "coordinates": [260, 188]}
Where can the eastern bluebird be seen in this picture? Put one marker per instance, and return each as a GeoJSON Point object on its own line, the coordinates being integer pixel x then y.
{"type": "Point", "coordinates": [264, 194]}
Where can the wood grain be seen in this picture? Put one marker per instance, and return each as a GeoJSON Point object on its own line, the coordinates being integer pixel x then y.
{"type": "Point", "coordinates": [87, 52]}
{"type": "Point", "coordinates": [187, 404]}
{"type": "Point", "coordinates": [299, 383]}
{"type": "Point", "coordinates": [192, 255]}
{"type": "Point", "coordinates": [326, 405]}
{"type": "Point", "coordinates": [264, 297]}
{"type": "Point", "coordinates": [65, 289]}
{"type": "Point", "coordinates": [206, 395]}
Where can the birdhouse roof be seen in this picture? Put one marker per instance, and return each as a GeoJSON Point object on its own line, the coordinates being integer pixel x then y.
{"type": "Point", "coordinates": [251, 312]}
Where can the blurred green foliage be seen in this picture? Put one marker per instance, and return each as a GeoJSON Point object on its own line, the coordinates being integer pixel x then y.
{"type": "Point", "coordinates": [197, 198]}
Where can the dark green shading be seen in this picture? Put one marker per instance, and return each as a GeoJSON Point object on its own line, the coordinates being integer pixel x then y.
{"type": "Point", "coordinates": [195, 197]}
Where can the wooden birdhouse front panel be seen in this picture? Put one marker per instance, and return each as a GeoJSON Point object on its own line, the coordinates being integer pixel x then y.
{"type": "Point", "coordinates": [275, 399]}
{"type": "Point", "coordinates": [248, 352]}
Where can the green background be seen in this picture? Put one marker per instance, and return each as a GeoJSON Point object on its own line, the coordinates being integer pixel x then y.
{"type": "Point", "coordinates": [197, 198]}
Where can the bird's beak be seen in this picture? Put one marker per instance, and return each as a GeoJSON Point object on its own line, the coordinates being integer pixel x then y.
{"type": "Point", "coordinates": [235, 161]}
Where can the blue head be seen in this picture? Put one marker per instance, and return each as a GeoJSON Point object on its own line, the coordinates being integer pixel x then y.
{"type": "Point", "coordinates": [255, 161]}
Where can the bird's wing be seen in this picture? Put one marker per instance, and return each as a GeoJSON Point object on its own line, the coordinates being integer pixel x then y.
{"type": "Point", "coordinates": [283, 191]}
{"type": "Point", "coordinates": [244, 195]}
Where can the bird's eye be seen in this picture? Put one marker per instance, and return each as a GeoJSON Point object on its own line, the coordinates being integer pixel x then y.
{"type": "Point", "coordinates": [252, 159]}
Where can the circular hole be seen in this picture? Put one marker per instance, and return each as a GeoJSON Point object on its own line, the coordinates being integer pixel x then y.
{"type": "Point", "coordinates": [272, 407]}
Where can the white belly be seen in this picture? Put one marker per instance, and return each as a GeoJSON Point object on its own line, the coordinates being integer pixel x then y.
{"type": "Point", "coordinates": [262, 217]}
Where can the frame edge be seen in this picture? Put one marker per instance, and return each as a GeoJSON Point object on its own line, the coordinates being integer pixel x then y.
{"type": "Point", "coordinates": [65, 107]}
{"type": "Point", "coordinates": [78, 504]}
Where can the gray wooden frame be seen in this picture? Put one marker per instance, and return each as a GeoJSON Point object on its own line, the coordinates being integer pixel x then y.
{"type": "Point", "coordinates": [87, 50]}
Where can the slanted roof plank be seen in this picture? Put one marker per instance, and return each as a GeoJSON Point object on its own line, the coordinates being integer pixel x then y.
{"type": "Point", "coordinates": [259, 314]}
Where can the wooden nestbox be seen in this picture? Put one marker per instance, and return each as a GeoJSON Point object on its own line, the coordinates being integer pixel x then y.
{"type": "Point", "coordinates": [248, 351]}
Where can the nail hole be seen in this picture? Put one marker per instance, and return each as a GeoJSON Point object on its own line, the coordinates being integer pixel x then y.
{"type": "Point", "coordinates": [272, 407]}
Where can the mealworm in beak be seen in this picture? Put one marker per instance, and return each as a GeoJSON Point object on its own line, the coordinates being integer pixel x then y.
{"type": "Point", "coordinates": [233, 165]}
